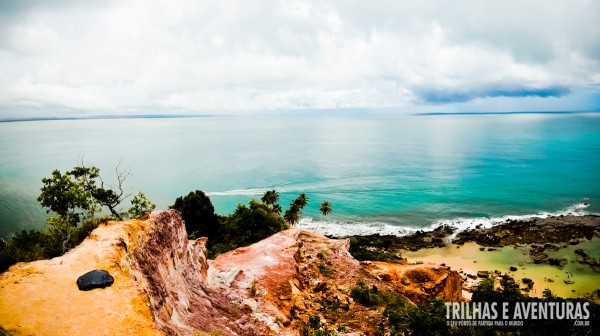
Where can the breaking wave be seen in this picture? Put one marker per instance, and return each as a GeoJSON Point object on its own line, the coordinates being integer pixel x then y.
{"type": "Point", "coordinates": [238, 192]}
{"type": "Point", "coordinates": [344, 229]}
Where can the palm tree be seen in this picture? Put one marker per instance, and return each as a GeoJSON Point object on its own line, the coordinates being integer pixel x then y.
{"type": "Point", "coordinates": [271, 197]}
{"type": "Point", "coordinates": [301, 201]}
{"type": "Point", "coordinates": [276, 209]}
{"type": "Point", "coordinates": [325, 210]}
{"type": "Point", "coordinates": [292, 215]}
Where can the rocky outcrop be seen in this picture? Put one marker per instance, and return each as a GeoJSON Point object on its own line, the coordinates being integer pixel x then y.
{"type": "Point", "coordinates": [420, 283]}
{"type": "Point", "coordinates": [546, 231]}
{"type": "Point", "coordinates": [295, 274]}
{"type": "Point", "coordinates": [172, 272]}
{"type": "Point", "coordinates": [42, 298]}
{"type": "Point", "coordinates": [163, 284]}
{"type": "Point", "coordinates": [159, 287]}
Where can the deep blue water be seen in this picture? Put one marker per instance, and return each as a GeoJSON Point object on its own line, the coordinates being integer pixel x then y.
{"type": "Point", "coordinates": [379, 172]}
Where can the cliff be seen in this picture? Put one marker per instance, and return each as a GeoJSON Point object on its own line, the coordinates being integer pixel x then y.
{"type": "Point", "coordinates": [420, 283]}
{"type": "Point", "coordinates": [165, 285]}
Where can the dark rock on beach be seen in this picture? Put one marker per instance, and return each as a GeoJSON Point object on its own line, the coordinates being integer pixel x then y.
{"type": "Point", "coordinates": [483, 274]}
{"type": "Point", "coordinates": [550, 231]}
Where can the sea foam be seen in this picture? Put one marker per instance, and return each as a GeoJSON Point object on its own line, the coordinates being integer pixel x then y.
{"type": "Point", "coordinates": [343, 229]}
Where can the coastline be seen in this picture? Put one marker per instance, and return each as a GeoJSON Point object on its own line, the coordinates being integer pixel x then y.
{"type": "Point", "coordinates": [561, 253]}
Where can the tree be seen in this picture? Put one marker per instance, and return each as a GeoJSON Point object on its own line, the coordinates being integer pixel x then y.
{"type": "Point", "coordinates": [325, 210]}
{"type": "Point", "coordinates": [271, 197]}
{"type": "Point", "coordinates": [140, 206]}
{"type": "Point", "coordinates": [276, 209]}
{"type": "Point", "coordinates": [292, 215]}
{"type": "Point", "coordinates": [75, 195]}
{"type": "Point", "coordinates": [198, 214]}
{"type": "Point", "coordinates": [547, 294]}
{"type": "Point", "coordinates": [111, 198]}
{"type": "Point", "coordinates": [69, 195]}
{"type": "Point", "coordinates": [301, 201]}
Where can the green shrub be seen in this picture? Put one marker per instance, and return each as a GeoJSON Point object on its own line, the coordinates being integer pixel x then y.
{"type": "Point", "coordinates": [199, 214]}
{"type": "Point", "coordinates": [364, 295]}
{"type": "Point", "coordinates": [321, 255]}
{"type": "Point", "coordinates": [363, 248]}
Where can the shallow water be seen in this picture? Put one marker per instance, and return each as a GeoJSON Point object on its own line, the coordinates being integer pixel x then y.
{"type": "Point", "coordinates": [470, 259]}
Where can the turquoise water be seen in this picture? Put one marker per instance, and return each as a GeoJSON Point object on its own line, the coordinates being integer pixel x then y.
{"type": "Point", "coordinates": [379, 172]}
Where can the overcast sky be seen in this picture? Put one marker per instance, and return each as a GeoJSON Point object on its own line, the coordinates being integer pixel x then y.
{"type": "Point", "coordinates": [140, 57]}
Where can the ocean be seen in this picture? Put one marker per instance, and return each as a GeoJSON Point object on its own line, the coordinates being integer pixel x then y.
{"type": "Point", "coordinates": [382, 173]}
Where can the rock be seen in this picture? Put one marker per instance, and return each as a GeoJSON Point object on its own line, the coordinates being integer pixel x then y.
{"type": "Point", "coordinates": [512, 268]}
{"type": "Point", "coordinates": [574, 241]}
{"type": "Point", "coordinates": [581, 253]}
{"type": "Point", "coordinates": [526, 280]}
{"type": "Point", "coordinates": [472, 276]}
{"type": "Point", "coordinates": [94, 279]}
{"type": "Point", "coordinates": [569, 282]}
{"type": "Point", "coordinates": [321, 287]}
{"type": "Point", "coordinates": [483, 274]}
{"type": "Point", "coordinates": [420, 283]}
{"type": "Point", "coordinates": [557, 262]}
{"type": "Point", "coordinates": [248, 306]}
{"type": "Point", "coordinates": [538, 257]}
{"type": "Point", "coordinates": [490, 249]}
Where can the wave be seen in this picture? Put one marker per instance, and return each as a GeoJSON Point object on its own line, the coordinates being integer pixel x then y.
{"type": "Point", "coordinates": [238, 192]}
{"type": "Point", "coordinates": [344, 229]}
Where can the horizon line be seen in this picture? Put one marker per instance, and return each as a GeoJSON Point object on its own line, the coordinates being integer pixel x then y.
{"type": "Point", "coordinates": [176, 116]}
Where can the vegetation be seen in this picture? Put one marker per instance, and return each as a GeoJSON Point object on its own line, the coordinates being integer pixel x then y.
{"type": "Point", "coordinates": [325, 208]}
{"type": "Point", "coordinates": [315, 327]}
{"type": "Point", "coordinates": [292, 215]}
{"type": "Point", "coordinates": [73, 199]}
{"type": "Point", "coordinates": [430, 319]}
{"type": "Point", "coordinates": [247, 225]}
{"type": "Point", "coordinates": [140, 206]}
{"type": "Point", "coordinates": [364, 248]}
{"type": "Point", "coordinates": [198, 214]}
{"type": "Point", "coordinates": [253, 288]}
{"type": "Point", "coordinates": [365, 295]}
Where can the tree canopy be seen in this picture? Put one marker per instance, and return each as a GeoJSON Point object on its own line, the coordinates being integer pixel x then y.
{"type": "Point", "coordinates": [199, 214]}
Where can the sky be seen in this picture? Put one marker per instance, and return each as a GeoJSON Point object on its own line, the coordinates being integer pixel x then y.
{"type": "Point", "coordinates": [102, 57]}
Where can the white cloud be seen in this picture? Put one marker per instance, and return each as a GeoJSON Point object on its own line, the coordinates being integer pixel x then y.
{"type": "Point", "coordinates": [199, 56]}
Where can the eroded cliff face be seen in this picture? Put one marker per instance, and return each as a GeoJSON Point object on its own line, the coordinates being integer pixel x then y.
{"type": "Point", "coordinates": [420, 283]}
{"type": "Point", "coordinates": [294, 274]}
{"type": "Point", "coordinates": [172, 272]}
{"type": "Point", "coordinates": [164, 285]}
{"type": "Point", "coordinates": [160, 287]}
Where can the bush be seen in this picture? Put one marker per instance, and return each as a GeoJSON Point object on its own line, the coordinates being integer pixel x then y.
{"type": "Point", "coordinates": [364, 248]}
{"type": "Point", "coordinates": [247, 225]}
{"type": "Point", "coordinates": [199, 215]}
{"type": "Point", "coordinates": [364, 295]}
{"type": "Point", "coordinates": [33, 245]}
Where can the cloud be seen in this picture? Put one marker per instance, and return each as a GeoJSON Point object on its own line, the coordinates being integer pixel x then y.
{"type": "Point", "coordinates": [199, 56]}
